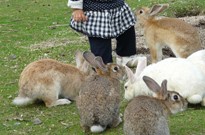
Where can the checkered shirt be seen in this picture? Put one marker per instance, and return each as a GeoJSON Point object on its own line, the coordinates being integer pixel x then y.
{"type": "Point", "coordinates": [107, 23]}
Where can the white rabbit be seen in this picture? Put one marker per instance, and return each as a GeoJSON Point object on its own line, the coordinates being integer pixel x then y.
{"type": "Point", "coordinates": [146, 115]}
{"type": "Point", "coordinates": [181, 37]}
{"type": "Point", "coordinates": [99, 98]}
{"type": "Point", "coordinates": [183, 76]}
{"type": "Point", "coordinates": [198, 59]}
{"type": "Point", "coordinates": [47, 79]}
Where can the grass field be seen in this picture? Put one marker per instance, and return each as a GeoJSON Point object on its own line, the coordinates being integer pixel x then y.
{"type": "Point", "coordinates": [35, 29]}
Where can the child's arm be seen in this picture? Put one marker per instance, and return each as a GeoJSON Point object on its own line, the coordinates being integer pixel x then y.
{"type": "Point", "coordinates": [78, 13]}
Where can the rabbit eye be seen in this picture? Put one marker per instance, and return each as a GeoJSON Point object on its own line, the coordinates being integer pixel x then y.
{"type": "Point", "coordinates": [141, 11]}
{"type": "Point", "coordinates": [175, 97]}
{"type": "Point", "coordinates": [115, 69]}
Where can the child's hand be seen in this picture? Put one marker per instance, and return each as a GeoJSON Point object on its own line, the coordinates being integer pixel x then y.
{"type": "Point", "coordinates": [78, 15]}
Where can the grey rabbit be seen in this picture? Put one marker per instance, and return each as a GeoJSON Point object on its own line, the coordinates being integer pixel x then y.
{"type": "Point", "coordinates": [99, 98]}
{"type": "Point", "coordinates": [146, 115]}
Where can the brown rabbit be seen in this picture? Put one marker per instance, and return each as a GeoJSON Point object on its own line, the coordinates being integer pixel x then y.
{"type": "Point", "coordinates": [47, 79]}
{"type": "Point", "coordinates": [99, 98]}
{"type": "Point", "coordinates": [146, 115]}
{"type": "Point", "coordinates": [181, 37]}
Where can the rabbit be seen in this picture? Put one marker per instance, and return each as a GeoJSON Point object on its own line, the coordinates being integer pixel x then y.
{"type": "Point", "coordinates": [48, 79]}
{"type": "Point", "coordinates": [198, 59]}
{"type": "Point", "coordinates": [183, 76]}
{"type": "Point", "coordinates": [182, 38]}
{"type": "Point", "coordinates": [99, 98]}
{"type": "Point", "coordinates": [146, 115]}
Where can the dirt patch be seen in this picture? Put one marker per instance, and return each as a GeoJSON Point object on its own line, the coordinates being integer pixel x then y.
{"type": "Point", "coordinates": [57, 42]}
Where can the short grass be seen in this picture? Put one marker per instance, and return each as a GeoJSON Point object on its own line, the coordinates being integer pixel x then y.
{"type": "Point", "coordinates": [35, 29]}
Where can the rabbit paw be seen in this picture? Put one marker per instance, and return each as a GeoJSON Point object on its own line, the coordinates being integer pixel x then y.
{"type": "Point", "coordinates": [60, 102]}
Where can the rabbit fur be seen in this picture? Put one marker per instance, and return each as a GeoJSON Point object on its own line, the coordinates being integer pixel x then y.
{"type": "Point", "coordinates": [47, 79]}
{"type": "Point", "coordinates": [198, 59]}
{"type": "Point", "coordinates": [183, 76]}
{"type": "Point", "coordinates": [181, 37]}
{"type": "Point", "coordinates": [130, 61]}
{"type": "Point", "coordinates": [99, 98]}
{"type": "Point", "coordinates": [145, 115]}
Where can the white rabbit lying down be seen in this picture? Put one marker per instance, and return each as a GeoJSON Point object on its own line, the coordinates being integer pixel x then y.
{"type": "Point", "coordinates": [183, 76]}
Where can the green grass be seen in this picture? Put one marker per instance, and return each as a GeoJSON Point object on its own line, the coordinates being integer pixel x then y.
{"type": "Point", "coordinates": [34, 29]}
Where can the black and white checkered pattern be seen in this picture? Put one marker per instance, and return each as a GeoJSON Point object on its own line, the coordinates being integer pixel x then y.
{"type": "Point", "coordinates": [100, 5]}
{"type": "Point", "coordinates": [107, 23]}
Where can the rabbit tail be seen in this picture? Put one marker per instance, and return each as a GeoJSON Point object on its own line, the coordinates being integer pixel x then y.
{"type": "Point", "coordinates": [97, 128]}
{"type": "Point", "coordinates": [21, 101]}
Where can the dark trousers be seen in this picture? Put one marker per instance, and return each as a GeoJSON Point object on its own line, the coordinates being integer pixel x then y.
{"type": "Point", "coordinates": [126, 45]}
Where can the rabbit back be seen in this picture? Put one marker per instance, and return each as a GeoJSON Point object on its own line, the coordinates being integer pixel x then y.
{"type": "Point", "coordinates": [144, 115]}
{"type": "Point", "coordinates": [48, 79]}
{"type": "Point", "coordinates": [98, 101]}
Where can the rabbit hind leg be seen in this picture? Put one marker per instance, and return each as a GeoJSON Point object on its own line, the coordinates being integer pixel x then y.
{"type": "Point", "coordinates": [85, 128]}
{"type": "Point", "coordinates": [181, 52]}
{"type": "Point", "coordinates": [116, 121]}
{"type": "Point", "coordinates": [51, 99]}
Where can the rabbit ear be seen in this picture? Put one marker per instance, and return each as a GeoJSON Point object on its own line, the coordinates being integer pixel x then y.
{"type": "Point", "coordinates": [152, 84]}
{"type": "Point", "coordinates": [85, 67]}
{"type": "Point", "coordinates": [130, 74]}
{"type": "Point", "coordinates": [90, 58]}
{"type": "Point", "coordinates": [142, 63]}
{"type": "Point", "coordinates": [79, 59]}
{"type": "Point", "coordinates": [163, 90]}
{"type": "Point", "coordinates": [100, 64]}
{"type": "Point", "coordinates": [158, 8]}
{"type": "Point", "coordinates": [81, 64]}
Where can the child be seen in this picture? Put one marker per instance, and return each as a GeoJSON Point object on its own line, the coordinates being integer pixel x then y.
{"type": "Point", "coordinates": [102, 20]}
